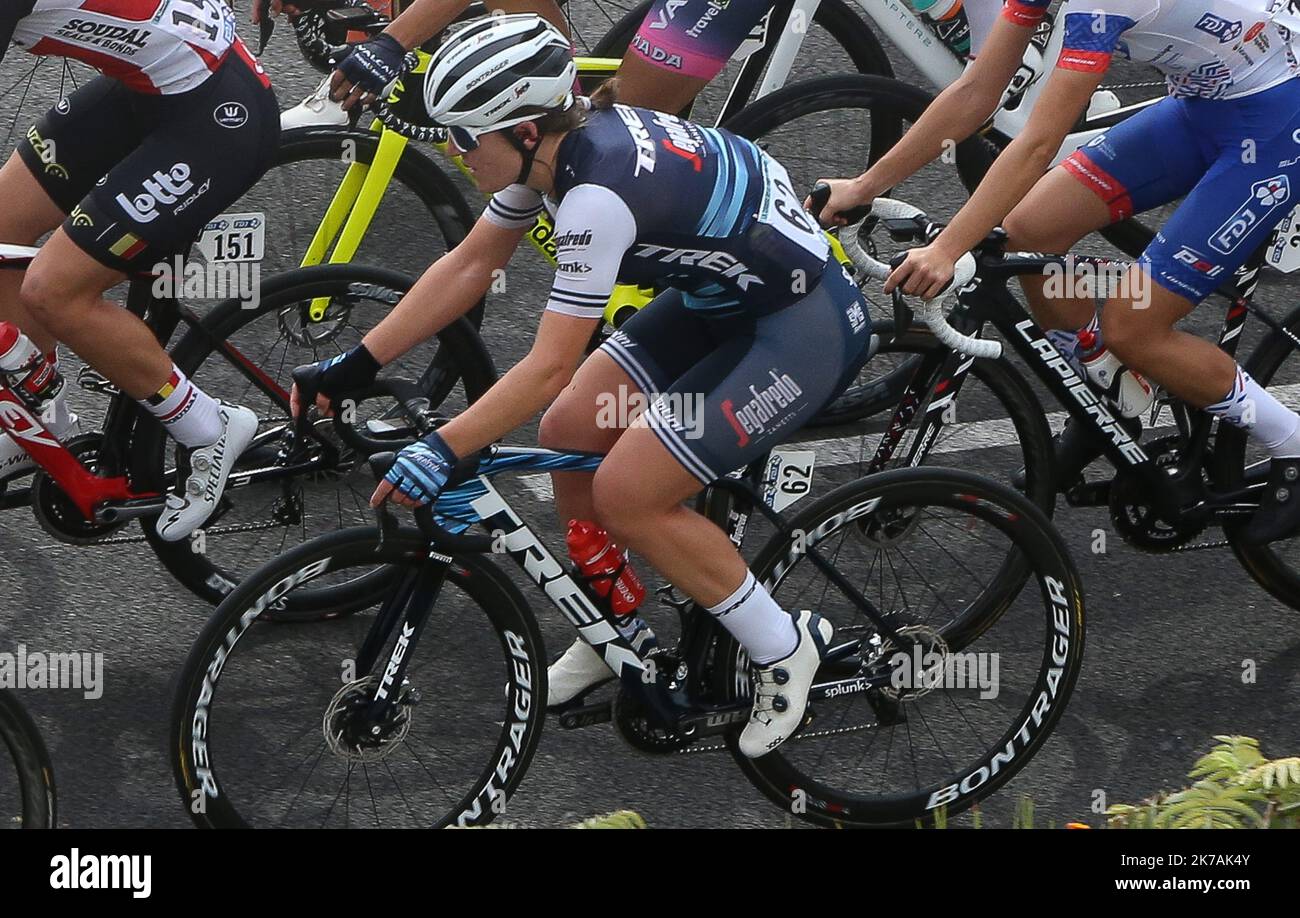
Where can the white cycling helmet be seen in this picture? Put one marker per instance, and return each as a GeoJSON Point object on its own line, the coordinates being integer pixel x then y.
{"type": "Point", "coordinates": [498, 72]}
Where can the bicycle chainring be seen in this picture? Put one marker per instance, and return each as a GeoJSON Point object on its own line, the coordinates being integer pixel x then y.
{"type": "Point", "coordinates": [635, 724]}
{"type": "Point", "coordinates": [55, 511]}
{"type": "Point", "coordinates": [1136, 518]}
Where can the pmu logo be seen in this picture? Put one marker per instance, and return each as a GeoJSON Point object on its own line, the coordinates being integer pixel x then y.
{"type": "Point", "coordinates": [162, 188]}
{"type": "Point", "coordinates": [1222, 29]}
{"type": "Point", "coordinates": [1265, 197]}
{"type": "Point", "coordinates": [1198, 262]}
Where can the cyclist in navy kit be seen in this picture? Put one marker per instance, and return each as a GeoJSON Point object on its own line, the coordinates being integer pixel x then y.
{"type": "Point", "coordinates": [127, 171]}
{"type": "Point", "coordinates": [758, 326]}
{"type": "Point", "coordinates": [1226, 140]}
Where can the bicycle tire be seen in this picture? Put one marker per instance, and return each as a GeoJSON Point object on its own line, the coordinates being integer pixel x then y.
{"type": "Point", "coordinates": [1032, 532]}
{"type": "Point", "coordinates": [36, 798]}
{"type": "Point", "coordinates": [198, 692]}
{"type": "Point", "coordinates": [1013, 393]}
{"type": "Point", "coordinates": [1263, 562]}
{"type": "Point", "coordinates": [196, 570]}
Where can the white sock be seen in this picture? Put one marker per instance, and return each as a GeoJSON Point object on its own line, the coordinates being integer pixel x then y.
{"type": "Point", "coordinates": [764, 629]}
{"type": "Point", "coordinates": [190, 415]}
{"type": "Point", "coordinates": [1270, 423]}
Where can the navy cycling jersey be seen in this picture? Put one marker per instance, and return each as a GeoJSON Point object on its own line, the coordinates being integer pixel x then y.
{"type": "Point", "coordinates": [645, 198]}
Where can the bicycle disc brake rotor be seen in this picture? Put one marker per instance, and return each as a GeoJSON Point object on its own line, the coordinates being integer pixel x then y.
{"type": "Point", "coordinates": [917, 670]}
{"type": "Point", "coordinates": [298, 326]}
{"type": "Point", "coordinates": [344, 722]}
{"type": "Point", "coordinates": [1136, 519]}
{"type": "Point", "coordinates": [888, 526]}
{"type": "Point", "coordinates": [55, 511]}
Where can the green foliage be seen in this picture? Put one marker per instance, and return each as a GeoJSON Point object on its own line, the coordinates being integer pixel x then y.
{"type": "Point", "coordinates": [1235, 787]}
{"type": "Point", "coordinates": [622, 819]}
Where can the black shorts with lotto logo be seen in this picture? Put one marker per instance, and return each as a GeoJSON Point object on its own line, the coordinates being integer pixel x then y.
{"type": "Point", "coordinates": [140, 176]}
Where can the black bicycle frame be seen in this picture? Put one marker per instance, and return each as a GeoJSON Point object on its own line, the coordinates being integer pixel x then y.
{"type": "Point", "coordinates": [1175, 492]}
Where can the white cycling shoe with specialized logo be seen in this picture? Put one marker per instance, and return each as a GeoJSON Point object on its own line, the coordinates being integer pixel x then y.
{"type": "Point", "coordinates": [14, 460]}
{"type": "Point", "coordinates": [209, 468]}
{"type": "Point", "coordinates": [781, 688]}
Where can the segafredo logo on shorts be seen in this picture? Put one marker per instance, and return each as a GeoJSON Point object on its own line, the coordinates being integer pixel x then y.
{"type": "Point", "coordinates": [1265, 197]}
{"type": "Point", "coordinates": [164, 188]}
{"type": "Point", "coordinates": [230, 115]}
{"type": "Point", "coordinates": [771, 403]}
{"type": "Point", "coordinates": [1224, 30]}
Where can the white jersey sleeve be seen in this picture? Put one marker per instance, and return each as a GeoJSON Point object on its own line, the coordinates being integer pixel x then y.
{"type": "Point", "coordinates": [594, 228]}
{"type": "Point", "coordinates": [514, 207]}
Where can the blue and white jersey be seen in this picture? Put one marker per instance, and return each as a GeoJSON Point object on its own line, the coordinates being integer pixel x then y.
{"type": "Point", "coordinates": [1209, 49]}
{"type": "Point", "coordinates": [645, 198]}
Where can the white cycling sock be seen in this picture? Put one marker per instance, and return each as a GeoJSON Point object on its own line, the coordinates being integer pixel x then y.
{"type": "Point", "coordinates": [764, 629]}
{"type": "Point", "coordinates": [191, 416]}
{"type": "Point", "coordinates": [1249, 406]}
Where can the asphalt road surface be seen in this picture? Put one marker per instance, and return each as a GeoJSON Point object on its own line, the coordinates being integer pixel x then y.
{"type": "Point", "coordinates": [1180, 647]}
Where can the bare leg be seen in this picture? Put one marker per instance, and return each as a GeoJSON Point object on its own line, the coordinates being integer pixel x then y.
{"type": "Point", "coordinates": [1058, 212]}
{"type": "Point", "coordinates": [27, 215]}
{"type": "Point", "coordinates": [64, 293]}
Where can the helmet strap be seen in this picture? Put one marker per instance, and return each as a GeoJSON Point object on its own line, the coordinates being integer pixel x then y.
{"type": "Point", "coordinates": [526, 167]}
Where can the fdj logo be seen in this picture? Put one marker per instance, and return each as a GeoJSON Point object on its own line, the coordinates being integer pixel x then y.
{"type": "Point", "coordinates": [1222, 29]}
{"type": "Point", "coordinates": [1265, 197]}
{"type": "Point", "coordinates": [162, 188]}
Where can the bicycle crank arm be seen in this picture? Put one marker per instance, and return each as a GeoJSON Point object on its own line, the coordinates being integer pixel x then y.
{"type": "Point", "coordinates": [587, 715]}
{"type": "Point", "coordinates": [121, 511]}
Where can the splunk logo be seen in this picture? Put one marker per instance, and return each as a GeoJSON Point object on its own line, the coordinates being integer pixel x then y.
{"type": "Point", "coordinates": [771, 403]}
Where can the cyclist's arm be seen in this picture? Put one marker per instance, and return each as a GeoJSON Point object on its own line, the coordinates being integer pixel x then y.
{"type": "Point", "coordinates": [9, 17]}
{"type": "Point", "coordinates": [446, 291]}
{"type": "Point", "coordinates": [597, 229]}
{"type": "Point", "coordinates": [959, 111]}
{"type": "Point", "coordinates": [426, 18]}
{"type": "Point", "coordinates": [1016, 170]}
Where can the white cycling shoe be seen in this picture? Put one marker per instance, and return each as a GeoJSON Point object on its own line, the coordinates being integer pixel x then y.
{"type": "Point", "coordinates": [781, 688]}
{"type": "Point", "coordinates": [581, 668]}
{"type": "Point", "coordinates": [14, 461]}
{"type": "Point", "coordinates": [209, 468]}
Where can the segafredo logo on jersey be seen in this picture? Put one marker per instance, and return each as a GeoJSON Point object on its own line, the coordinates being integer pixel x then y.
{"type": "Point", "coordinates": [683, 139]}
{"type": "Point", "coordinates": [1224, 30]}
{"type": "Point", "coordinates": [770, 403]}
{"type": "Point", "coordinates": [723, 263]}
{"type": "Point", "coordinates": [645, 144]}
{"type": "Point", "coordinates": [1265, 197]}
{"type": "Point", "coordinates": [164, 188]}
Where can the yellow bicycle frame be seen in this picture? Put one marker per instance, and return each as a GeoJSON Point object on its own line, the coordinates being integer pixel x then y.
{"type": "Point", "coordinates": [359, 195]}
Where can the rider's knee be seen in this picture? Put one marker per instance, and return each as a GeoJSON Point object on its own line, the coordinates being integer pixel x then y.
{"type": "Point", "coordinates": [1125, 333]}
{"type": "Point", "coordinates": [1029, 229]}
{"type": "Point", "coordinates": [614, 498]}
{"type": "Point", "coordinates": [46, 296]}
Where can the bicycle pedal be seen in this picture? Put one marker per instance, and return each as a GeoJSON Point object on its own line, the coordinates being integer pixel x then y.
{"type": "Point", "coordinates": [584, 715]}
{"type": "Point", "coordinates": [667, 596]}
{"type": "Point", "coordinates": [93, 381]}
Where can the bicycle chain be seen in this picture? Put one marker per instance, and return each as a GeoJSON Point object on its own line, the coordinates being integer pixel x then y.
{"type": "Point", "coordinates": [224, 530]}
{"type": "Point", "coordinates": [798, 738]}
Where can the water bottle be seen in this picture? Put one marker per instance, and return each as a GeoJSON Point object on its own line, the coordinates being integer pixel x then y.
{"type": "Point", "coordinates": [607, 571]}
{"type": "Point", "coordinates": [33, 375]}
{"type": "Point", "coordinates": [1126, 390]}
{"type": "Point", "coordinates": [948, 20]}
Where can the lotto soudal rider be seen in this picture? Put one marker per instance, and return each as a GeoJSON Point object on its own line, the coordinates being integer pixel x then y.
{"type": "Point", "coordinates": [133, 165]}
{"type": "Point", "coordinates": [637, 196]}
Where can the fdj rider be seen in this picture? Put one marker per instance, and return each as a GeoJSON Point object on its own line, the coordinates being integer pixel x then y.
{"type": "Point", "coordinates": [1226, 140]}
{"type": "Point", "coordinates": [758, 328]}
{"type": "Point", "coordinates": [133, 164]}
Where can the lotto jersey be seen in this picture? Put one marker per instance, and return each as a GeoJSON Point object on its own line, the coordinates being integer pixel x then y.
{"type": "Point", "coordinates": [1210, 49]}
{"type": "Point", "coordinates": [160, 47]}
{"type": "Point", "coordinates": [646, 198]}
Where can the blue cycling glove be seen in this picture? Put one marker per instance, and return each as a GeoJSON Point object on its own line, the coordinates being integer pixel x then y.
{"type": "Point", "coordinates": [374, 64]}
{"type": "Point", "coordinates": [421, 470]}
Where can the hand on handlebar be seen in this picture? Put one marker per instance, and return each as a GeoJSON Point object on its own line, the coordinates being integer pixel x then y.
{"type": "Point", "coordinates": [925, 272]}
{"type": "Point", "coordinates": [367, 71]}
{"type": "Point", "coordinates": [276, 8]}
{"type": "Point", "coordinates": [353, 371]}
{"type": "Point", "coordinates": [838, 202]}
{"type": "Point", "coordinates": [419, 473]}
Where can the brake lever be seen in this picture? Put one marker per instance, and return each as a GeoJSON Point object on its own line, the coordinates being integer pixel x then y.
{"type": "Point", "coordinates": [821, 195]}
{"type": "Point", "coordinates": [265, 24]}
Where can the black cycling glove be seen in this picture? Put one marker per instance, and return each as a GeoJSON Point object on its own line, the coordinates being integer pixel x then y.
{"type": "Point", "coordinates": [347, 374]}
{"type": "Point", "coordinates": [374, 64]}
